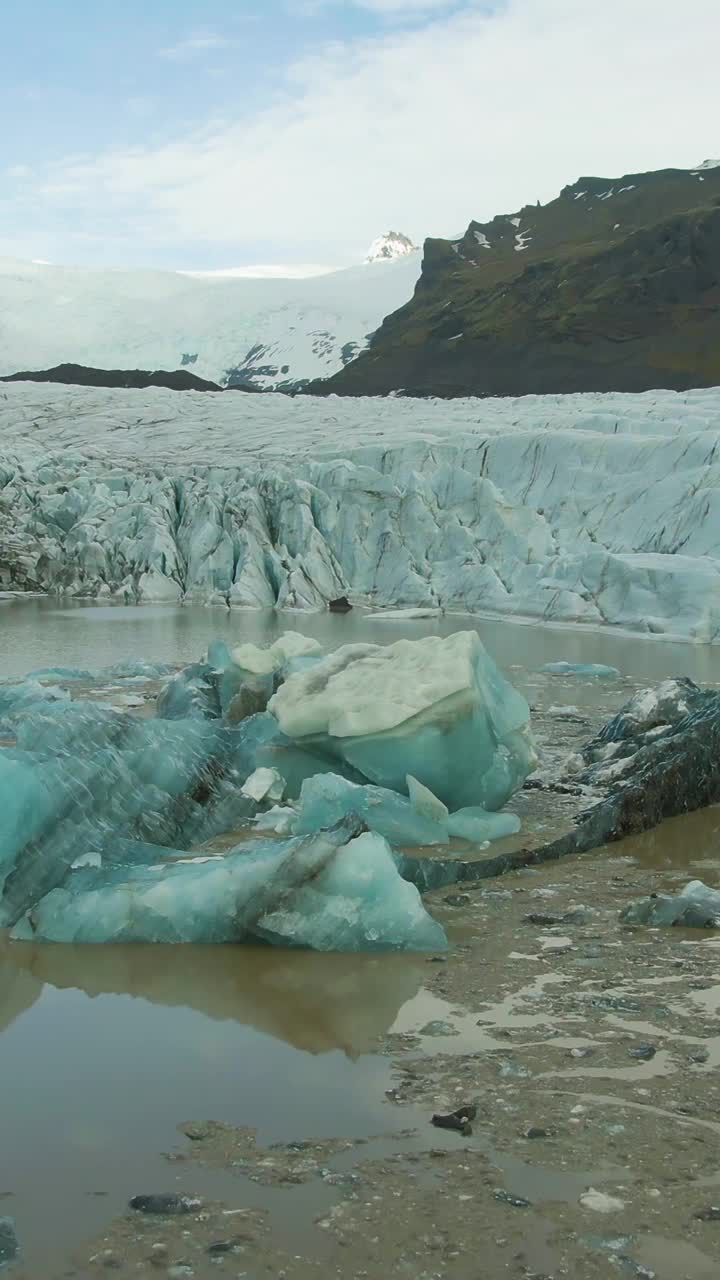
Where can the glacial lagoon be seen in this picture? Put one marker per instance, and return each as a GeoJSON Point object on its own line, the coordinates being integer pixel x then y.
{"type": "Point", "coordinates": [104, 1051]}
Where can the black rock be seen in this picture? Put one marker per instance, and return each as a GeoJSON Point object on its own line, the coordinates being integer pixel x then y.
{"type": "Point", "coordinates": [711, 1213]}
{"type": "Point", "coordinates": [643, 1051]}
{"type": "Point", "coordinates": [517, 1202]}
{"type": "Point", "coordinates": [699, 1055]}
{"type": "Point", "coordinates": [166, 1204]}
{"type": "Point", "coordinates": [535, 1132]}
{"type": "Point", "coordinates": [458, 1120]}
{"type": "Point", "coordinates": [341, 605]}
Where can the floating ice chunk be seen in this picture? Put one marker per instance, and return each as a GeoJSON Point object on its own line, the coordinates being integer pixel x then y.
{"type": "Point", "coordinates": [257, 661]}
{"type": "Point", "coordinates": [327, 798]}
{"type": "Point", "coordinates": [60, 673]}
{"type": "Point", "coordinates": [331, 892]}
{"type": "Point", "coordinates": [437, 708]}
{"type": "Point", "coordinates": [424, 801]}
{"type": "Point", "coordinates": [138, 670]}
{"type": "Point", "coordinates": [600, 1202]}
{"type": "Point", "coordinates": [478, 826]}
{"type": "Point", "coordinates": [697, 907]}
{"type": "Point", "coordinates": [406, 615]}
{"type": "Point", "coordinates": [264, 784]}
{"type": "Point", "coordinates": [584, 670]}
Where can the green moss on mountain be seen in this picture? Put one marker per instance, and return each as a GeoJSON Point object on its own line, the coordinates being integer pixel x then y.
{"type": "Point", "coordinates": [614, 286]}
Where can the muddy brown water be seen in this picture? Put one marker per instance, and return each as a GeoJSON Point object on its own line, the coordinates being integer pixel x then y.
{"type": "Point", "coordinates": [104, 1051]}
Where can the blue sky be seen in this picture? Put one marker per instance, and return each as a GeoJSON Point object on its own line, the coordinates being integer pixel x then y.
{"type": "Point", "coordinates": [185, 134]}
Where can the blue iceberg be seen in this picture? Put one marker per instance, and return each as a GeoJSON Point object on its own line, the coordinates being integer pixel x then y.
{"type": "Point", "coordinates": [337, 890]}
{"type": "Point", "coordinates": [438, 709]}
{"type": "Point", "coordinates": [109, 818]}
{"type": "Point", "coordinates": [326, 798]}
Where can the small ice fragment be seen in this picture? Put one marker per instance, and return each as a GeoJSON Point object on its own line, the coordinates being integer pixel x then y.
{"type": "Point", "coordinates": [588, 670]}
{"type": "Point", "coordinates": [424, 801]}
{"type": "Point", "coordinates": [264, 784]}
{"type": "Point", "coordinates": [599, 1202]}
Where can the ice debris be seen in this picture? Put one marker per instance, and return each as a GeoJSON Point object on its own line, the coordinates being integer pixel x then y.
{"type": "Point", "coordinates": [696, 907]}
{"type": "Point", "coordinates": [586, 670]}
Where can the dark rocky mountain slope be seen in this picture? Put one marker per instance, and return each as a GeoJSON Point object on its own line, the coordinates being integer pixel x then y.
{"type": "Point", "coordinates": [79, 375]}
{"type": "Point", "coordinates": [613, 286]}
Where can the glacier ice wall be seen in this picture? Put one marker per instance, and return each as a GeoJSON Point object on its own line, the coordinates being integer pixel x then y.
{"type": "Point", "coordinates": [592, 508]}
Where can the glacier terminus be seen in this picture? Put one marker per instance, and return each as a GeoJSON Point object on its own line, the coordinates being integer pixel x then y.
{"type": "Point", "coordinates": [593, 509]}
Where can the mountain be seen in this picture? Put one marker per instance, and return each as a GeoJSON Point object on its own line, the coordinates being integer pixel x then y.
{"type": "Point", "coordinates": [390, 246]}
{"type": "Point", "coordinates": [78, 375]}
{"type": "Point", "coordinates": [613, 286]}
{"type": "Point", "coordinates": [263, 334]}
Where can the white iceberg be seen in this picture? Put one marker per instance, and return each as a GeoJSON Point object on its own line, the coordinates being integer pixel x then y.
{"type": "Point", "coordinates": [438, 709]}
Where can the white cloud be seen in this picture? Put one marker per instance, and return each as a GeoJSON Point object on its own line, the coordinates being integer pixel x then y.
{"type": "Point", "coordinates": [473, 114]}
{"type": "Point", "coordinates": [193, 46]}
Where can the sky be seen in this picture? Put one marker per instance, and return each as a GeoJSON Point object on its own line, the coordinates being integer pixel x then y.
{"type": "Point", "coordinates": [235, 133]}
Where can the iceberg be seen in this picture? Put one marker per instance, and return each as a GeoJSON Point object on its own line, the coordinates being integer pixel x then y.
{"type": "Point", "coordinates": [338, 890]}
{"type": "Point", "coordinates": [696, 907]}
{"type": "Point", "coordinates": [437, 709]}
{"type": "Point", "coordinates": [117, 826]}
{"type": "Point", "coordinates": [326, 798]}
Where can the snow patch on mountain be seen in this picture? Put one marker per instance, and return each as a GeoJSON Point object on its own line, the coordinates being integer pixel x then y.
{"type": "Point", "coordinates": [389, 247]}
{"type": "Point", "coordinates": [600, 509]}
{"type": "Point", "coordinates": [264, 333]}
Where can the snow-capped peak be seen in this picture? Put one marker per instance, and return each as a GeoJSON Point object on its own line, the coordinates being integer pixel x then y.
{"type": "Point", "coordinates": [392, 245]}
{"type": "Point", "coordinates": [706, 164]}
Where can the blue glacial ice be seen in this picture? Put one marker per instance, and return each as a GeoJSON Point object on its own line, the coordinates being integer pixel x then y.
{"type": "Point", "coordinates": [437, 709]}
{"type": "Point", "coordinates": [326, 798]}
{"type": "Point", "coordinates": [336, 890]}
{"type": "Point", "coordinates": [107, 814]}
{"type": "Point", "coordinates": [478, 826]}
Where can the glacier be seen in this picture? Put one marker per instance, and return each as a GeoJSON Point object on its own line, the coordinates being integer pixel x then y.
{"type": "Point", "coordinates": [111, 818]}
{"type": "Point", "coordinates": [591, 509]}
{"type": "Point", "coordinates": [257, 333]}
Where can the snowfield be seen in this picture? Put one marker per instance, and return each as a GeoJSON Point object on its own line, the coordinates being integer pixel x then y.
{"type": "Point", "coordinates": [270, 331]}
{"type": "Point", "coordinates": [588, 508]}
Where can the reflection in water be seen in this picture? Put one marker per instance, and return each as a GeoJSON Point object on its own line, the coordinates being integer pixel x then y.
{"type": "Point", "coordinates": [312, 1001]}
{"type": "Point", "coordinates": [19, 988]}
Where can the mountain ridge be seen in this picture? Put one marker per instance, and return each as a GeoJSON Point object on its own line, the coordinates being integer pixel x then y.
{"type": "Point", "coordinates": [613, 286]}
